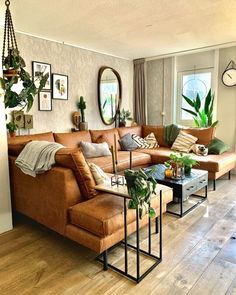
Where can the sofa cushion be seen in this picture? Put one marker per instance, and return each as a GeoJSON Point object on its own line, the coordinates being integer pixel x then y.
{"type": "Point", "coordinates": [127, 143]}
{"type": "Point", "coordinates": [92, 150]}
{"type": "Point", "coordinates": [14, 149]}
{"type": "Point", "coordinates": [158, 132]}
{"type": "Point", "coordinates": [99, 136]}
{"type": "Point", "coordinates": [132, 130]}
{"type": "Point", "coordinates": [138, 159]}
{"type": "Point", "coordinates": [103, 215]}
{"type": "Point", "coordinates": [72, 139]}
{"type": "Point", "coordinates": [217, 147]}
{"type": "Point", "coordinates": [204, 135]}
{"type": "Point", "coordinates": [184, 142]}
{"type": "Point", "coordinates": [211, 163]}
{"type": "Point", "coordinates": [74, 159]}
{"type": "Point", "coordinates": [48, 136]}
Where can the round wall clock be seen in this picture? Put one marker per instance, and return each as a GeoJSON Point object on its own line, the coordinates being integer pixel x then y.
{"type": "Point", "coordinates": [229, 75]}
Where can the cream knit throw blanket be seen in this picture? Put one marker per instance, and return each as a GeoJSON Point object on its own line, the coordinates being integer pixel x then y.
{"type": "Point", "coordinates": [37, 157]}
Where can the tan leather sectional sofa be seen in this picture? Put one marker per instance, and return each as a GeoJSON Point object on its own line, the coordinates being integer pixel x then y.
{"type": "Point", "coordinates": [64, 198]}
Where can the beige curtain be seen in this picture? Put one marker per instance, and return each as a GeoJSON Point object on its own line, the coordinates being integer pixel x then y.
{"type": "Point", "coordinates": [139, 91]}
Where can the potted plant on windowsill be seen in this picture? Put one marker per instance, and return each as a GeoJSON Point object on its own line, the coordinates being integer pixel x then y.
{"type": "Point", "coordinates": [123, 117]}
{"type": "Point", "coordinates": [12, 127]}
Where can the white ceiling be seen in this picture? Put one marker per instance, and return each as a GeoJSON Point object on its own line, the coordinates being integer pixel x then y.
{"type": "Point", "coordinates": [128, 28]}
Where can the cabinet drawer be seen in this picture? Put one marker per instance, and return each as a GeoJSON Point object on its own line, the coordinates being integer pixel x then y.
{"type": "Point", "coordinates": [189, 189]}
{"type": "Point", "coordinates": [203, 181]}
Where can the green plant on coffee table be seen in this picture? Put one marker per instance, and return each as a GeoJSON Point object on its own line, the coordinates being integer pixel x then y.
{"type": "Point", "coordinates": [188, 163]}
{"type": "Point", "coordinates": [11, 127]}
{"type": "Point", "coordinates": [180, 159]}
{"type": "Point", "coordinates": [141, 186]}
{"type": "Point", "coordinates": [124, 116]}
{"type": "Point", "coordinates": [82, 106]}
{"type": "Point", "coordinates": [202, 115]}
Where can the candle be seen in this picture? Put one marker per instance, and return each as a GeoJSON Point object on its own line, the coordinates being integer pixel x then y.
{"type": "Point", "coordinates": [113, 159]}
{"type": "Point", "coordinates": [115, 149]}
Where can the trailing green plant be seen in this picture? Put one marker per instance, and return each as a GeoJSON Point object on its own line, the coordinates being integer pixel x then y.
{"type": "Point", "coordinates": [82, 106]}
{"type": "Point", "coordinates": [11, 126]}
{"type": "Point", "coordinates": [25, 98]}
{"type": "Point", "coordinates": [125, 116]}
{"type": "Point", "coordinates": [141, 185]}
{"type": "Point", "coordinates": [202, 114]}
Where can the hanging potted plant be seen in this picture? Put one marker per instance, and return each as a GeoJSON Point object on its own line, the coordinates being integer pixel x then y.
{"type": "Point", "coordinates": [123, 117]}
{"type": "Point", "coordinates": [13, 69]}
{"type": "Point", "coordinates": [12, 127]}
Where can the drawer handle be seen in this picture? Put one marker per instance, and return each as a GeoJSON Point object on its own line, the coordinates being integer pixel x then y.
{"type": "Point", "coordinates": [189, 188]}
{"type": "Point", "coordinates": [202, 181]}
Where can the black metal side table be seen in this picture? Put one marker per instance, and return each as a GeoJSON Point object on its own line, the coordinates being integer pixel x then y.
{"type": "Point", "coordinates": [121, 191]}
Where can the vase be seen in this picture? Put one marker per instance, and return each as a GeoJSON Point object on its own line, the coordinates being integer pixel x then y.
{"type": "Point", "coordinates": [178, 172]}
{"type": "Point", "coordinates": [187, 170]}
{"type": "Point", "coordinates": [83, 126]}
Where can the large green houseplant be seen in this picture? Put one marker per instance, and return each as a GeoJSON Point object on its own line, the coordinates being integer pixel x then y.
{"type": "Point", "coordinates": [13, 68]}
{"type": "Point", "coordinates": [202, 114]}
{"type": "Point", "coordinates": [140, 186]}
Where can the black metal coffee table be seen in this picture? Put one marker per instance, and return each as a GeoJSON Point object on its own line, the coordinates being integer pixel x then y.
{"type": "Point", "coordinates": [184, 190]}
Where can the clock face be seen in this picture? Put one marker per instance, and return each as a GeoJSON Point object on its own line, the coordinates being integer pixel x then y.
{"type": "Point", "coordinates": [229, 77]}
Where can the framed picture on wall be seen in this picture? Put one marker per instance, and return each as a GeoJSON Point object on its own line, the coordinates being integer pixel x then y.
{"type": "Point", "coordinates": [59, 86]}
{"type": "Point", "coordinates": [39, 69]}
{"type": "Point", "coordinates": [45, 101]}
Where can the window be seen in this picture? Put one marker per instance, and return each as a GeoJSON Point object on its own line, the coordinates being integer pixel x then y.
{"type": "Point", "coordinates": [190, 83]}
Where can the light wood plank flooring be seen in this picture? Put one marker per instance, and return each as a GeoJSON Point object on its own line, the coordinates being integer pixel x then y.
{"type": "Point", "coordinates": [199, 256]}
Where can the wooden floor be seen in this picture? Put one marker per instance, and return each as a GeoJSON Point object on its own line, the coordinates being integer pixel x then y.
{"type": "Point", "coordinates": [199, 257]}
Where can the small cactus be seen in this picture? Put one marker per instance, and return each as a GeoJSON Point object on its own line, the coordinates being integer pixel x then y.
{"type": "Point", "coordinates": [82, 106]}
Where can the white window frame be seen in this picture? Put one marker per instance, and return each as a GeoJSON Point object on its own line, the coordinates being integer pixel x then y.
{"type": "Point", "coordinates": [179, 92]}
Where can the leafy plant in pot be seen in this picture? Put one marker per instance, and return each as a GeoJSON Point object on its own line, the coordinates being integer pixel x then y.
{"type": "Point", "coordinates": [202, 114]}
{"type": "Point", "coordinates": [188, 163]}
{"type": "Point", "coordinates": [123, 117]}
{"type": "Point", "coordinates": [140, 187]}
{"type": "Point", "coordinates": [12, 127]}
{"type": "Point", "coordinates": [82, 106]}
{"type": "Point", "coordinates": [25, 98]}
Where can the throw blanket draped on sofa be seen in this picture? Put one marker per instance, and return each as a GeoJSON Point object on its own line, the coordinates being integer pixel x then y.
{"type": "Point", "coordinates": [37, 157]}
{"type": "Point", "coordinates": [170, 133]}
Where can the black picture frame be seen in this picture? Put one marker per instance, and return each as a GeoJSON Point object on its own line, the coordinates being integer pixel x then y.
{"type": "Point", "coordinates": [45, 101]}
{"type": "Point", "coordinates": [42, 68]}
{"type": "Point", "coordinates": [60, 86]}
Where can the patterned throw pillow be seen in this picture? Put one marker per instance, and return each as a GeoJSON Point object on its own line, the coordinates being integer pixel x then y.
{"type": "Point", "coordinates": [151, 140]}
{"type": "Point", "coordinates": [141, 142]}
{"type": "Point", "coordinates": [184, 142]}
{"type": "Point", "coordinates": [98, 174]}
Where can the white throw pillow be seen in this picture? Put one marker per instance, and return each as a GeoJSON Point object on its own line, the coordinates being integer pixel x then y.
{"type": "Point", "coordinates": [93, 150]}
{"type": "Point", "coordinates": [152, 141]}
{"type": "Point", "coordinates": [184, 142]}
{"type": "Point", "coordinates": [98, 174]}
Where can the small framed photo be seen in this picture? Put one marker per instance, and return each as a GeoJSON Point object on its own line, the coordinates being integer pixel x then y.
{"type": "Point", "coordinates": [38, 69]}
{"type": "Point", "coordinates": [59, 86]}
{"type": "Point", "coordinates": [45, 101]}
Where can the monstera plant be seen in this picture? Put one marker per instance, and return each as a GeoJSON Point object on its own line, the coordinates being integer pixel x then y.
{"type": "Point", "coordinates": [202, 114]}
{"type": "Point", "coordinates": [13, 69]}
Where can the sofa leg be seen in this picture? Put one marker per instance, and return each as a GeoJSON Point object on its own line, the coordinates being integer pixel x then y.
{"type": "Point", "coordinates": [105, 266]}
{"type": "Point", "coordinates": [229, 175]}
{"type": "Point", "coordinates": [214, 184]}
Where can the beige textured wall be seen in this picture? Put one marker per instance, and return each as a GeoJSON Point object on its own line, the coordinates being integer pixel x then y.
{"type": "Point", "coordinates": [82, 67]}
{"type": "Point", "coordinates": [159, 92]}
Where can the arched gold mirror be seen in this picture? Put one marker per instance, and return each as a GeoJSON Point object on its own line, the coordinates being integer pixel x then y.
{"type": "Point", "coordinates": [109, 94]}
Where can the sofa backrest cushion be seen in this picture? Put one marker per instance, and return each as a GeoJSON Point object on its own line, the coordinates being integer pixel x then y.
{"type": "Point", "coordinates": [137, 130]}
{"type": "Point", "coordinates": [48, 136]}
{"type": "Point", "coordinates": [204, 135]}
{"type": "Point", "coordinates": [158, 132]}
{"type": "Point", "coordinates": [99, 136]}
{"type": "Point", "coordinates": [72, 139]}
{"type": "Point", "coordinates": [14, 149]}
{"type": "Point", "coordinates": [74, 159]}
